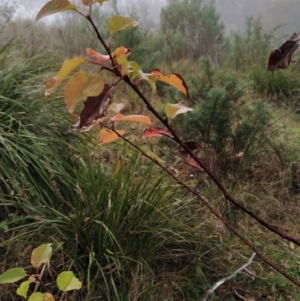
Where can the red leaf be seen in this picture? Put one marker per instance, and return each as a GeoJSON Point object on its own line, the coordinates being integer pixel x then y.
{"type": "Point", "coordinates": [193, 163]}
{"type": "Point", "coordinates": [153, 131]}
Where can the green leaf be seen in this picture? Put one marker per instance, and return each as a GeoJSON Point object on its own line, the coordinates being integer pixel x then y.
{"type": "Point", "coordinates": [80, 86]}
{"type": "Point", "coordinates": [40, 255]}
{"type": "Point", "coordinates": [68, 66]}
{"type": "Point", "coordinates": [133, 69]}
{"type": "Point", "coordinates": [41, 297]}
{"type": "Point", "coordinates": [23, 288]}
{"type": "Point", "coordinates": [117, 23]}
{"type": "Point", "coordinates": [54, 6]}
{"type": "Point", "coordinates": [66, 281]}
{"type": "Point", "coordinates": [172, 110]}
{"type": "Point", "coordinates": [12, 275]}
{"type": "Point", "coordinates": [155, 157]}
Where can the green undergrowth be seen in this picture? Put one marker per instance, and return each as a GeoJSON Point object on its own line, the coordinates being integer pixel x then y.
{"type": "Point", "coordinates": [126, 229]}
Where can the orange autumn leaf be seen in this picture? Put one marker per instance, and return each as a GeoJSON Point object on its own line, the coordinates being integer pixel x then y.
{"type": "Point", "coordinates": [133, 118]}
{"type": "Point", "coordinates": [101, 58]}
{"type": "Point", "coordinates": [107, 136]}
{"type": "Point", "coordinates": [121, 50]}
{"type": "Point", "coordinates": [172, 79]}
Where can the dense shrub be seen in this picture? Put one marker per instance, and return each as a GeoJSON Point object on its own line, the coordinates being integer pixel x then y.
{"type": "Point", "coordinates": [190, 28]}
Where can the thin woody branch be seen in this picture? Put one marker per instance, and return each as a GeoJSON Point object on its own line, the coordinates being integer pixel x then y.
{"type": "Point", "coordinates": [213, 211]}
{"type": "Point", "coordinates": [228, 278]}
{"type": "Point", "coordinates": [207, 170]}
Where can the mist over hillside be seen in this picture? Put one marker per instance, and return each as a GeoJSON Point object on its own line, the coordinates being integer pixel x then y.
{"type": "Point", "coordinates": [272, 13]}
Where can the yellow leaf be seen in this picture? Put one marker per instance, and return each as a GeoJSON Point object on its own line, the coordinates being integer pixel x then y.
{"type": "Point", "coordinates": [80, 86]}
{"type": "Point", "coordinates": [172, 110]}
{"type": "Point", "coordinates": [49, 297]}
{"type": "Point", "coordinates": [109, 136]}
{"type": "Point", "coordinates": [41, 297]}
{"type": "Point", "coordinates": [24, 286]}
{"type": "Point", "coordinates": [68, 66]}
{"type": "Point", "coordinates": [133, 118]}
{"type": "Point", "coordinates": [66, 281]}
{"type": "Point", "coordinates": [172, 79]}
{"type": "Point", "coordinates": [54, 6]}
{"type": "Point", "coordinates": [117, 23]}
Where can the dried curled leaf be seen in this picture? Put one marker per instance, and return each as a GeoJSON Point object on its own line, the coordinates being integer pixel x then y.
{"type": "Point", "coordinates": [189, 160]}
{"type": "Point", "coordinates": [282, 57]}
{"type": "Point", "coordinates": [93, 109]}
{"type": "Point", "coordinates": [195, 147]}
{"type": "Point", "coordinates": [172, 79]}
{"type": "Point", "coordinates": [80, 86]}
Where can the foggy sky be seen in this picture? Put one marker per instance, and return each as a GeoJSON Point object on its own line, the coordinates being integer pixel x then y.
{"type": "Point", "coordinates": [233, 12]}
